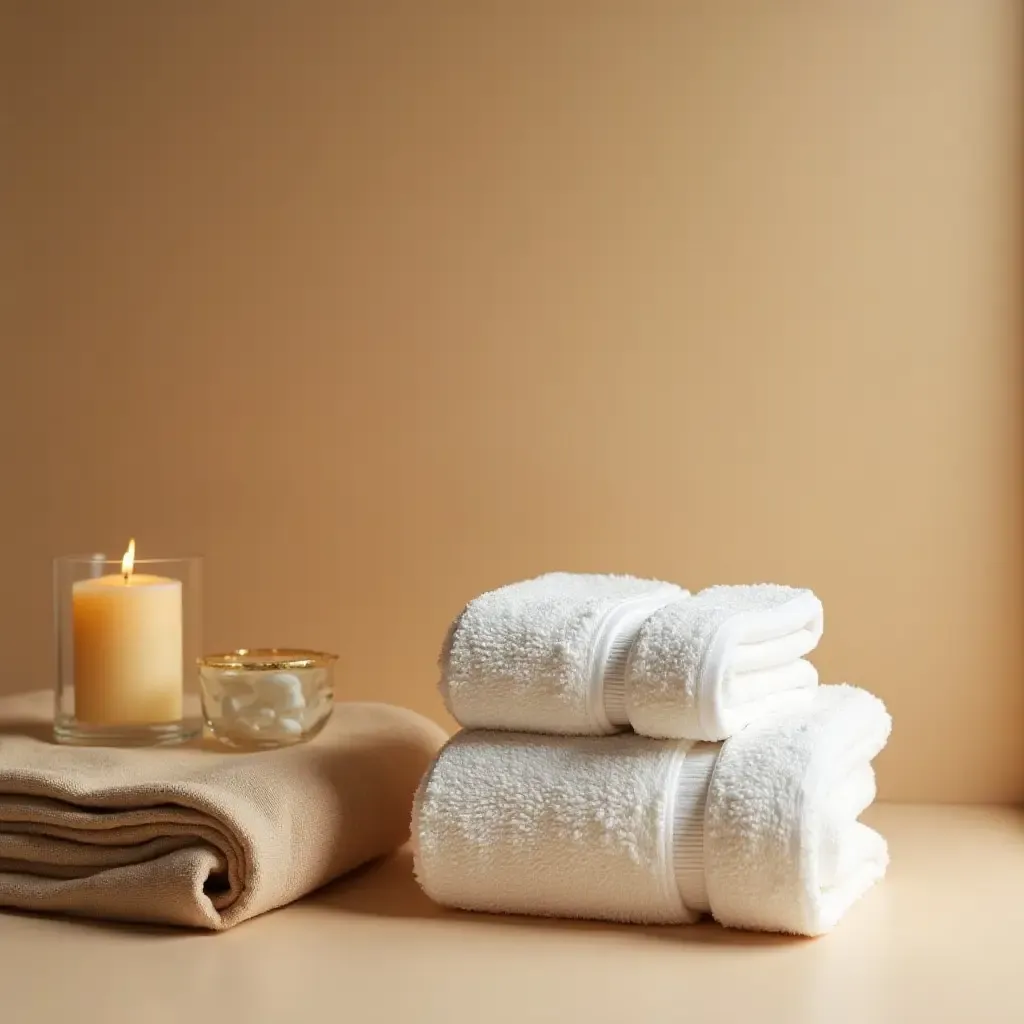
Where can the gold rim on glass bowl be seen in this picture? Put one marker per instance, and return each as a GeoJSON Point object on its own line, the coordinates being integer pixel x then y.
{"type": "Point", "coordinates": [268, 659]}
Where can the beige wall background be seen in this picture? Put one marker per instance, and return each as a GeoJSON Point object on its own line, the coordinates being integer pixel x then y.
{"type": "Point", "coordinates": [379, 305]}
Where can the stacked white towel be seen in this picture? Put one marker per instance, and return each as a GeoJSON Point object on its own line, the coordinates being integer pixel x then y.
{"type": "Point", "coordinates": [732, 788]}
{"type": "Point", "coordinates": [588, 654]}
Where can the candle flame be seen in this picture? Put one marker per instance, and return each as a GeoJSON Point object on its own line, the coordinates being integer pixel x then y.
{"type": "Point", "coordinates": [128, 562]}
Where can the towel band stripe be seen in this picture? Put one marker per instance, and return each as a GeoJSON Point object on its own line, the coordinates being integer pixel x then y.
{"type": "Point", "coordinates": [612, 648]}
{"type": "Point", "coordinates": [688, 825]}
{"type": "Point", "coordinates": [614, 683]}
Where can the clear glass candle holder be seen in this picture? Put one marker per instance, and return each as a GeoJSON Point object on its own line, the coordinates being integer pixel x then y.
{"type": "Point", "coordinates": [267, 697]}
{"type": "Point", "coordinates": [127, 644]}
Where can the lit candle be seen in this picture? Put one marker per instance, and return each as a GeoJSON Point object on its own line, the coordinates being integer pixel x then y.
{"type": "Point", "coordinates": [127, 647]}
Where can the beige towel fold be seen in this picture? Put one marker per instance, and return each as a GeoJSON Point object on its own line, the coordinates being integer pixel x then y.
{"type": "Point", "coordinates": [195, 836]}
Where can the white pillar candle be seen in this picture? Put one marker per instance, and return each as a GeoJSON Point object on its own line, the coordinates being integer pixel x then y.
{"type": "Point", "coordinates": [127, 648]}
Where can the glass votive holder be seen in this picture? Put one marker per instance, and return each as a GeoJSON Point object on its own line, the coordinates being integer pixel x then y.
{"type": "Point", "coordinates": [125, 632]}
{"type": "Point", "coordinates": [267, 697]}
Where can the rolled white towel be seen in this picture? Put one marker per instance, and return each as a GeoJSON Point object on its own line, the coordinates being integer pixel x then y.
{"type": "Point", "coordinates": [582, 654]}
{"type": "Point", "coordinates": [534, 655]}
{"type": "Point", "coordinates": [706, 667]}
{"type": "Point", "coordinates": [760, 831]}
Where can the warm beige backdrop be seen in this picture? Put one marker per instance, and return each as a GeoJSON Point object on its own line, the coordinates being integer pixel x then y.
{"type": "Point", "coordinates": [382, 304]}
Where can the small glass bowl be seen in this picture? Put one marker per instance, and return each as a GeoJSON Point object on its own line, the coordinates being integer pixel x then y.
{"type": "Point", "coordinates": [268, 697]}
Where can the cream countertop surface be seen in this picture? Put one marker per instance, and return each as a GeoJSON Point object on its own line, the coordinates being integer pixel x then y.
{"type": "Point", "coordinates": [941, 939]}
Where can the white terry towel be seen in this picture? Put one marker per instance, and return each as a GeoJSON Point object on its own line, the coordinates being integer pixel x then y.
{"type": "Point", "coordinates": [589, 654]}
{"type": "Point", "coordinates": [534, 655]}
{"type": "Point", "coordinates": [760, 831]}
{"type": "Point", "coordinates": [708, 666]}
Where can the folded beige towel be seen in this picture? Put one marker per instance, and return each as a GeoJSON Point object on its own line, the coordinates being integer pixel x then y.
{"type": "Point", "coordinates": [194, 836]}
